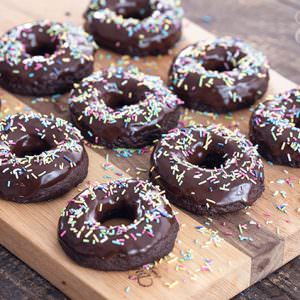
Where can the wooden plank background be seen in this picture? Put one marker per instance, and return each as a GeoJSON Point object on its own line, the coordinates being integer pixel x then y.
{"type": "Point", "coordinates": [21, 13]}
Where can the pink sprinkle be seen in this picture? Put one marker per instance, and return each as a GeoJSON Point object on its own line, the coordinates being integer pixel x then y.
{"type": "Point", "coordinates": [150, 234]}
{"type": "Point", "coordinates": [228, 233]}
{"type": "Point", "coordinates": [38, 66]}
{"type": "Point", "coordinates": [133, 236]}
{"type": "Point", "coordinates": [63, 233]}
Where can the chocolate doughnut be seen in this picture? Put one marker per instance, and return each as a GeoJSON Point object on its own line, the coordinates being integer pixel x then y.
{"type": "Point", "coordinates": [118, 108]}
{"type": "Point", "coordinates": [149, 236]}
{"type": "Point", "coordinates": [208, 170]}
{"type": "Point", "coordinates": [135, 27]}
{"type": "Point", "coordinates": [43, 58]}
{"type": "Point", "coordinates": [274, 127]}
{"type": "Point", "coordinates": [41, 158]}
{"type": "Point", "coordinates": [219, 75]}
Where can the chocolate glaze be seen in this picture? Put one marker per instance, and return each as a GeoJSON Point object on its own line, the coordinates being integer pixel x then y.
{"type": "Point", "coordinates": [135, 27]}
{"type": "Point", "coordinates": [219, 75]}
{"type": "Point", "coordinates": [43, 58]}
{"type": "Point", "coordinates": [208, 170]}
{"type": "Point", "coordinates": [118, 108]}
{"type": "Point", "coordinates": [150, 235]}
{"type": "Point", "coordinates": [274, 127]}
{"type": "Point", "coordinates": [40, 158]}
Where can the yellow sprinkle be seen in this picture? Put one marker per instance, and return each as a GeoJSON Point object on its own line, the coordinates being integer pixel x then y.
{"type": "Point", "coordinates": [89, 233]}
{"type": "Point", "coordinates": [173, 284]}
{"type": "Point", "coordinates": [172, 260]}
{"type": "Point", "coordinates": [95, 238]}
{"type": "Point", "coordinates": [211, 201]}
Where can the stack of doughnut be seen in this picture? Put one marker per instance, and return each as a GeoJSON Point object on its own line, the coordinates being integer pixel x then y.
{"type": "Point", "coordinates": [203, 169]}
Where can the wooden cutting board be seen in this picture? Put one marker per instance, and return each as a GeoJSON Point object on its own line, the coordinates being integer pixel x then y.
{"type": "Point", "coordinates": [213, 258]}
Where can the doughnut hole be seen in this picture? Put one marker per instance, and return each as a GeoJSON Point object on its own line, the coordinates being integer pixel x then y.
{"type": "Point", "coordinates": [119, 95]}
{"type": "Point", "coordinates": [30, 145]}
{"type": "Point", "coordinates": [208, 160]}
{"type": "Point", "coordinates": [139, 11]}
{"type": "Point", "coordinates": [118, 214]}
{"type": "Point", "coordinates": [117, 101]}
{"type": "Point", "coordinates": [219, 66]}
{"type": "Point", "coordinates": [40, 44]}
{"type": "Point", "coordinates": [222, 59]}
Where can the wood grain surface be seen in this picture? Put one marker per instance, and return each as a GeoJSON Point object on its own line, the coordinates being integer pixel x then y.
{"type": "Point", "coordinates": [34, 230]}
{"type": "Point", "coordinates": [274, 232]}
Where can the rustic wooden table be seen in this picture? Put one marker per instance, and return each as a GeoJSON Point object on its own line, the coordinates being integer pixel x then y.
{"type": "Point", "coordinates": [274, 25]}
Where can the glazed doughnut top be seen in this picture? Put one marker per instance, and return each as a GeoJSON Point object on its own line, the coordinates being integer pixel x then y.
{"type": "Point", "coordinates": [36, 152]}
{"type": "Point", "coordinates": [274, 126]}
{"type": "Point", "coordinates": [81, 228]}
{"type": "Point", "coordinates": [69, 44]}
{"type": "Point", "coordinates": [221, 74]}
{"type": "Point", "coordinates": [126, 101]}
{"type": "Point", "coordinates": [213, 164]}
{"type": "Point", "coordinates": [136, 25]}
